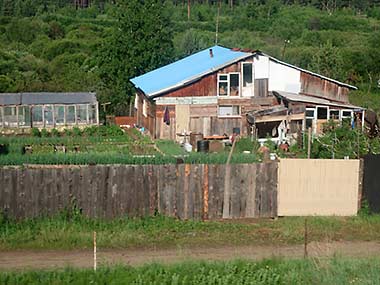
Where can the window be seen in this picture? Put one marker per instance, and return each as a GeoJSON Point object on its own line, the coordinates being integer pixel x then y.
{"type": "Point", "coordinates": [81, 114]}
{"type": "Point", "coordinates": [223, 84]}
{"type": "Point", "coordinates": [1, 116]}
{"type": "Point", "coordinates": [70, 115]}
{"type": "Point", "coordinates": [247, 74]}
{"type": "Point", "coordinates": [10, 117]}
{"type": "Point", "coordinates": [48, 115]}
{"type": "Point", "coordinates": [37, 115]}
{"type": "Point", "coordinates": [59, 115]}
{"type": "Point", "coordinates": [229, 111]}
{"type": "Point", "coordinates": [234, 84]}
{"type": "Point", "coordinates": [24, 116]}
{"type": "Point", "coordinates": [322, 113]}
{"type": "Point", "coordinates": [347, 116]}
{"type": "Point", "coordinates": [334, 114]}
{"type": "Point", "coordinates": [309, 117]}
{"type": "Point", "coordinates": [92, 116]}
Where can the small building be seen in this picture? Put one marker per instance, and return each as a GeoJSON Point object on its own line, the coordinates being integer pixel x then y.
{"type": "Point", "coordinates": [218, 90]}
{"type": "Point", "coordinates": [48, 110]}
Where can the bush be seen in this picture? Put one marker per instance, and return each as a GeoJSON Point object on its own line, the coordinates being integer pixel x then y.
{"type": "Point", "coordinates": [55, 133]}
{"type": "Point", "coordinates": [77, 132]}
{"type": "Point", "coordinates": [35, 132]}
{"type": "Point", "coordinates": [45, 133]}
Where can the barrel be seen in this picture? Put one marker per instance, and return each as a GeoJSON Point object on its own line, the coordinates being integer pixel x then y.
{"type": "Point", "coordinates": [203, 146]}
{"type": "Point", "coordinates": [236, 131]}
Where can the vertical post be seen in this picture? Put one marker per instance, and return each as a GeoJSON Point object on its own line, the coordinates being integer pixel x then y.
{"type": "Point", "coordinates": [305, 253]}
{"type": "Point", "coordinates": [188, 10]}
{"type": "Point", "coordinates": [308, 142]}
{"type": "Point", "coordinates": [95, 261]}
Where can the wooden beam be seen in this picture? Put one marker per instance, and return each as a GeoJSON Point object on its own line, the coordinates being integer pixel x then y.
{"type": "Point", "coordinates": [270, 118]}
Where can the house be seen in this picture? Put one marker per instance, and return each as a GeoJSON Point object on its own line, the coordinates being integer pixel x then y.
{"type": "Point", "coordinates": [47, 110]}
{"type": "Point", "coordinates": [218, 90]}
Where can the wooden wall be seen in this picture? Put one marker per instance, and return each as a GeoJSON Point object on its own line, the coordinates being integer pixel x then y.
{"type": "Point", "coordinates": [184, 191]}
{"type": "Point", "coordinates": [313, 85]}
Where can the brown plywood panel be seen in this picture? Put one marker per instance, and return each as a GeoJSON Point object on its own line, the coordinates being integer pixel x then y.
{"type": "Point", "coordinates": [182, 118]}
{"type": "Point", "coordinates": [318, 187]}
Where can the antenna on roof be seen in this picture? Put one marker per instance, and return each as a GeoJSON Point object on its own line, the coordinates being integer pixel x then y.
{"type": "Point", "coordinates": [217, 23]}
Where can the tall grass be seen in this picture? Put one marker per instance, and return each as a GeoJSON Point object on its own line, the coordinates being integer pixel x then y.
{"type": "Point", "coordinates": [269, 272]}
{"type": "Point", "coordinates": [70, 230]}
{"type": "Point", "coordinates": [114, 157]}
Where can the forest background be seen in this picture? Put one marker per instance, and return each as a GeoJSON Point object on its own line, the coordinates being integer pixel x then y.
{"type": "Point", "coordinates": [60, 45]}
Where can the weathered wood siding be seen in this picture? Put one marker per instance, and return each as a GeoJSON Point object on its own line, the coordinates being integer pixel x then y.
{"type": "Point", "coordinates": [184, 191]}
{"type": "Point", "coordinates": [316, 86]}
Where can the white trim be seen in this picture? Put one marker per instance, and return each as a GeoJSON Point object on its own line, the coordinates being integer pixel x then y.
{"type": "Point", "coordinates": [336, 110]}
{"type": "Point", "coordinates": [223, 81]}
{"type": "Point", "coordinates": [201, 100]}
{"type": "Point", "coordinates": [145, 108]}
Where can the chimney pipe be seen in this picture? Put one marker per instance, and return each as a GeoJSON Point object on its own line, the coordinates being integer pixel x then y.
{"type": "Point", "coordinates": [211, 53]}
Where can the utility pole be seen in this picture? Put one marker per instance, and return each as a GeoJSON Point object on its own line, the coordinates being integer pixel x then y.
{"type": "Point", "coordinates": [188, 9]}
{"type": "Point", "coordinates": [217, 23]}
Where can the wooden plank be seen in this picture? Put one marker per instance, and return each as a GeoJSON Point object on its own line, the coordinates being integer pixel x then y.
{"type": "Point", "coordinates": [180, 194]}
{"type": "Point", "coordinates": [205, 183]}
{"type": "Point", "coordinates": [196, 191]}
{"type": "Point", "coordinates": [251, 184]}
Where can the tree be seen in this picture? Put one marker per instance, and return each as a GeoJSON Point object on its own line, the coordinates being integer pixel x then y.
{"type": "Point", "coordinates": [141, 41]}
{"type": "Point", "coordinates": [328, 61]}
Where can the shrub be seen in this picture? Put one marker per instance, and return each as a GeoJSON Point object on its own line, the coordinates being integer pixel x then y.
{"type": "Point", "coordinates": [45, 133]}
{"type": "Point", "coordinates": [35, 132]}
{"type": "Point", "coordinates": [55, 133]}
{"type": "Point", "coordinates": [77, 132]}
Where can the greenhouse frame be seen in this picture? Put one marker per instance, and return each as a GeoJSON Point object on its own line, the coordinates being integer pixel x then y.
{"type": "Point", "coordinates": [48, 110]}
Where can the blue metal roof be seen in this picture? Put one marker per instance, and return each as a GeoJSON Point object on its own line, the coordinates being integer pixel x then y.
{"type": "Point", "coordinates": [186, 70]}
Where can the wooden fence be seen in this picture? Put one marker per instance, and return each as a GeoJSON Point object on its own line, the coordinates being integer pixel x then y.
{"type": "Point", "coordinates": [184, 191]}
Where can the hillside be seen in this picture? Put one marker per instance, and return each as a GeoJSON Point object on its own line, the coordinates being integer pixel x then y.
{"type": "Point", "coordinates": [51, 46]}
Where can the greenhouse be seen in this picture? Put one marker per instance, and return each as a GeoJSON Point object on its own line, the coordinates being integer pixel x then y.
{"type": "Point", "coordinates": [48, 110]}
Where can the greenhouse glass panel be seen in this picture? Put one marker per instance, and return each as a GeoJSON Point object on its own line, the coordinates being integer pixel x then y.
{"type": "Point", "coordinates": [37, 115]}
{"type": "Point", "coordinates": [10, 116]}
{"type": "Point", "coordinates": [24, 116]}
{"type": "Point", "coordinates": [92, 114]}
{"type": "Point", "coordinates": [48, 115]}
{"type": "Point", "coordinates": [59, 115]}
{"type": "Point", "coordinates": [70, 115]}
{"type": "Point", "coordinates": [81, 114]}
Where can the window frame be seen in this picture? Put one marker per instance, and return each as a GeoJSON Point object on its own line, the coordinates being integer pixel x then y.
{"type": "Point", "coordinates": [229, 84]}
{"type": "Point", "coordinates": [242, 73]}
{"type": "Point", "coordinates": [224, 81]}
{"type": "Point", "coordinates": [334, 110]}
{"type": "Point", "coordinates": [229, 116]}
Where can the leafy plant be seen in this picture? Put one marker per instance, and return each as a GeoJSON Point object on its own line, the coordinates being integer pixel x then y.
{"type": "Point", "coordinates": [35, 132]}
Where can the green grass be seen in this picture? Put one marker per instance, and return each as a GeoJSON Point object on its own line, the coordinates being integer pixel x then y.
{"type": "Point", "coordinates": [118, 157]}
{"type": "Point", "coordinates": [75, 232]}
{"type": "Point", "coordinates": [271, 272]}
{"type": "Point", "coordinates": [169, 147]}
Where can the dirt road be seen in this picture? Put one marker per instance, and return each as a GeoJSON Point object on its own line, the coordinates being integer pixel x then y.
{"type": "Point", "coordinates": [11, 260]}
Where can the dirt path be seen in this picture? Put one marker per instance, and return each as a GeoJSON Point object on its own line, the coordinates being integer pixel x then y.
{"type": "Point", "coordinates": [10, 260]}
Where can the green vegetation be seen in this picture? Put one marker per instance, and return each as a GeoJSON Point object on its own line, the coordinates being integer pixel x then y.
{"type": "Point", "coordinates": [51, 46]}
{"type": "Point", "coordinates": [326, 272]}
{"type": "Point", "coordinates": [70, 230]}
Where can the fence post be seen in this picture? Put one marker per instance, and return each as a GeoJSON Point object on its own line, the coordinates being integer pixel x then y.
{"type": "Point", "coordinates": [308, 143]}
